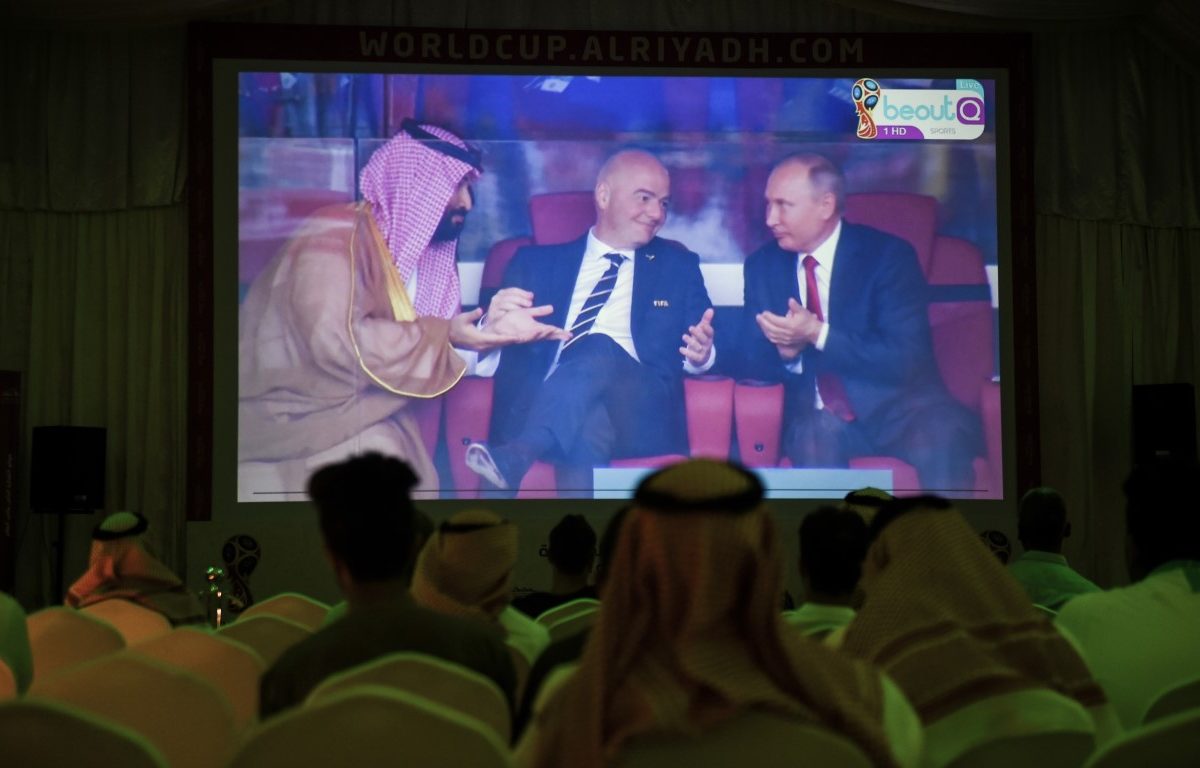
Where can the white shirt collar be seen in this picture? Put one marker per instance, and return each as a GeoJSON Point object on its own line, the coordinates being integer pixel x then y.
{"type": "Point", "coordinates": [825, 252]}
{"type": "Point", "coordinates": [597, 248]}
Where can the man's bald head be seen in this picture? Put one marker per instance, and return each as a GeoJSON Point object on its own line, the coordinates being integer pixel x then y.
{"type": "Point", "coordinates": [632, 194]}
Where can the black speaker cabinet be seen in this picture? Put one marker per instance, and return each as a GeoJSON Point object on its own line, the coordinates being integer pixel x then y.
{"type": "Point", "coordinates": [67, 470]}
{"type": "Point", "coordinates": [1164, 421]}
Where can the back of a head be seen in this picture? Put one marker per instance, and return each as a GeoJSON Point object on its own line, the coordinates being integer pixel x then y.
{"type": "Point", "coordinates": [572, 547]}
{"type": "Point", "coordinates": [833, 543]}
{"type": "Point", "coordinates": [698, 531]}
{"type": "Point", "coordinates": [1042, 520]}
{"type": "Point", "coordinates": [1161, 513]}
{"type": "Point", "coordinates": [366, 515]}
{"type": "Point", "coordinates": [866, 502]}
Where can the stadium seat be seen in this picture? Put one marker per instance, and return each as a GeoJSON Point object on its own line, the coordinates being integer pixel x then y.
{"type": "Point", "coordinates": [567, 610]}
{"type": "Point", "coordinates": [572, 625]}
{"type": "Point", "coordinates": [758, 413]}
{"type": "Point", "coordinates": [373, 725]}
{"type": "Point", "coordinates": [183, 715]}
{"type": "Point", "coordinates": [1172, 742]}
{"type": "Point", "coordinates": [1180, 698]}
{"type": "Point", "coordinates": [232, 667]}
{"type": "Point", "coordinates": [49, 734]}
{"type": "Point", "coordinates": [269, 636]}
{"type": "Point", "coordinates": [1035, 728]}
{"type": "Point", "coordinates": [8, 682]}
{"type": "Point", "coordinates": [61, 638]}
{"type": "Point", "coordinates": [454, 686]}
{"type": "Point", "coordinates": [560, 217]}
{"type": "Point", "coordinates": [135, 623]}
{"type": "Point", "coordinates": [301, 609]}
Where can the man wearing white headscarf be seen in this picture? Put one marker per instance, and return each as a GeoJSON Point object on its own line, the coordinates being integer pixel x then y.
{"type": "Point", "coordinates": [359, 315]}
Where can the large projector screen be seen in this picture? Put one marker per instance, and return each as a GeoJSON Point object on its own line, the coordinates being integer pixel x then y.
{"type": "Point", "coordinates": [925, 145]}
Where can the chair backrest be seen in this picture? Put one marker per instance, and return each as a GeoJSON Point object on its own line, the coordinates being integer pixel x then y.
{"type": "Point", "coordinates": [758, 414]}
{"type": "Point", "coordinates": [454, 686]}
{"type": "Point", "coordinates": [1045, 610]}
{"type": "Point", "coordinates": [468, 420]}
{"type": "Point", "coordinates": [908, 216]}
{"type": "Point", "coordinates": [48, 734]}
{"type": "Point", "coordinates": [8, 682]}
{"type": "Point", "coordinates": [572, 625]}
{"type": "Point", "coordinates": [773, 740]}
{"type": "Point", "coordinates": [184, 716]}
{"type": "Point", "coordinates": [1172, 742]}
{"type": "Point", "coordinates": [560, 217]}
{"type": "Point", "coordinates": [708, 403]}
{"type": "Point", "coordinates": [1180, 698]}
{"type": "Point", "coordinates": [135, 622]}
{"type": "Point", "coordinates": [1030, 728]}
{"type": "Point", "coordinates": [268, 635]}
{"type": "Point", "coordinates": [566, 610]}
{"type": "Point", "coordinates": [61, 638]}
{"type": "Point", "coordinates": [521, 667]}
{"type": "Point", "coordinates": [235, 669]}
{"type": "Point", "coordinates": [373, 725]}
{"type": "Point", "coordinates": [494, 265]}
{"type": "Point", "coordinates": [301, 609]}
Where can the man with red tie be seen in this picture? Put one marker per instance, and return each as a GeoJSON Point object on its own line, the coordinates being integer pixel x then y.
{"type": "Point", "coordinates": [838, 312]}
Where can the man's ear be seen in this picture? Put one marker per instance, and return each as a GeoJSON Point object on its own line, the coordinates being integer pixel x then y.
{"type": "Point", "coordinates": [828, 205]}
{"type": "Point", "coordinates": [603, 195]}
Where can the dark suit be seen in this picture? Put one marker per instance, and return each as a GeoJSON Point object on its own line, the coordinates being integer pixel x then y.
{"type": "Point", "coordinates": [600, 402]}
{"type": "Point", "coordinates": [879, 346]}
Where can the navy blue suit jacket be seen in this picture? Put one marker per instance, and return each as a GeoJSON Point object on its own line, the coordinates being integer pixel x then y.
{"type": "Point", "coordinates": [879, 340]}
{"type": "Point", "coordinates": [668, 296]}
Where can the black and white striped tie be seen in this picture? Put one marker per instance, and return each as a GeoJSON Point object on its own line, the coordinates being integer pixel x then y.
{"type": "Point", "coordinates": [595, 300]}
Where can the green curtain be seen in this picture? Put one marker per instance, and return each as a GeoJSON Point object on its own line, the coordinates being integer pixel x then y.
{"type": "Point", "coordinates": [107, 346]}
{"type": "Point", "coordinates": [1115, 308]}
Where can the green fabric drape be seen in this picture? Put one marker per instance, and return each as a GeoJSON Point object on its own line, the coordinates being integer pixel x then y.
{"type": "Point", "coordinates": [108, 347]}
{"type": "Point", "coordinates": [1115, 308]}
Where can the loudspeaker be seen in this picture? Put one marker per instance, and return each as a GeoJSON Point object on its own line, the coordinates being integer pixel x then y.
{"type": "Point", "coordinates": [1164, 421]}
{"type": "Point", "coordinates": [67, 470]}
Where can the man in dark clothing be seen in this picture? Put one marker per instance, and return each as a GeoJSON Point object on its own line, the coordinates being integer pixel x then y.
{"type": "Point", "coordinates": [571, 552]}
{"type": "Point", "coordinates": [367, 523]}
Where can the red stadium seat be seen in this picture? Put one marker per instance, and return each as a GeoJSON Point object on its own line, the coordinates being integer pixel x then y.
{"type": "Point", "coordinates": [905, 215]}
{"type": "Point", "coordinates": [758, 411]}
{"type": "Point", "coordinates": [468, 418]}
{"type": "Point", "coordinates": [708, 402]}
{"type": "Point", "coordinates": [560, 217]}
{"type": "Point", "coordinates": [494, 265]}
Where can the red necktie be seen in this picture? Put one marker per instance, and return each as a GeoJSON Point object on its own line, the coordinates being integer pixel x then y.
{"type": "Point", "coordinates": [829, 385]}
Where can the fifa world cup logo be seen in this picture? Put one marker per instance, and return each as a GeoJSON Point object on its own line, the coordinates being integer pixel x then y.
{"type": "Point", "coordinates": [866, 96]}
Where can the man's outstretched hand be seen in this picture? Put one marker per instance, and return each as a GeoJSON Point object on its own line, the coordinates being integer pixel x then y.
{"type": "Point", "coordinates": [698, 341]}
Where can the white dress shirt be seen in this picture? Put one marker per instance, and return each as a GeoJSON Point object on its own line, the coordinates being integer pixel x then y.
{"type": "Point", "coordinates": [824, 254]}
{"type": "Point", "coordinates": [614, 318]}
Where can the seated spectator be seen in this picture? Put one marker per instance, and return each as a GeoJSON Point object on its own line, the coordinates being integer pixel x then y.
{"type": "Point", "coordinates": [568, 649]}
{"type": "Point", "coordinates": [14, 642]}
{"type": "Point", "coordinates": [946, 621]}
{"type": "Point", "coordinates": [465, 569]}
{"type": "Point", "coordinates": [571, 552]}
{"type": "Point", "coordinates": [690, 635]}
{"type": "Point", "coordinates": [1042, 569]}
{"type": "Point", "coordinates": [866, 502]}
{"type": "Point", "coordinates": [422, 530]}
{"type": "Point", "coordinates": [833, 543]}
{"type": "Point", "coordinates": [1142, 639]}
{"type": "Point", "coordinates": [367, 518]}
{"type": "Point", "coordinates": [120, 567]}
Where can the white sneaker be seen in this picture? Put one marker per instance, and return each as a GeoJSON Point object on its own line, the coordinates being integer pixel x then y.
{"type": "Point", "coordinates": [479, 460]}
